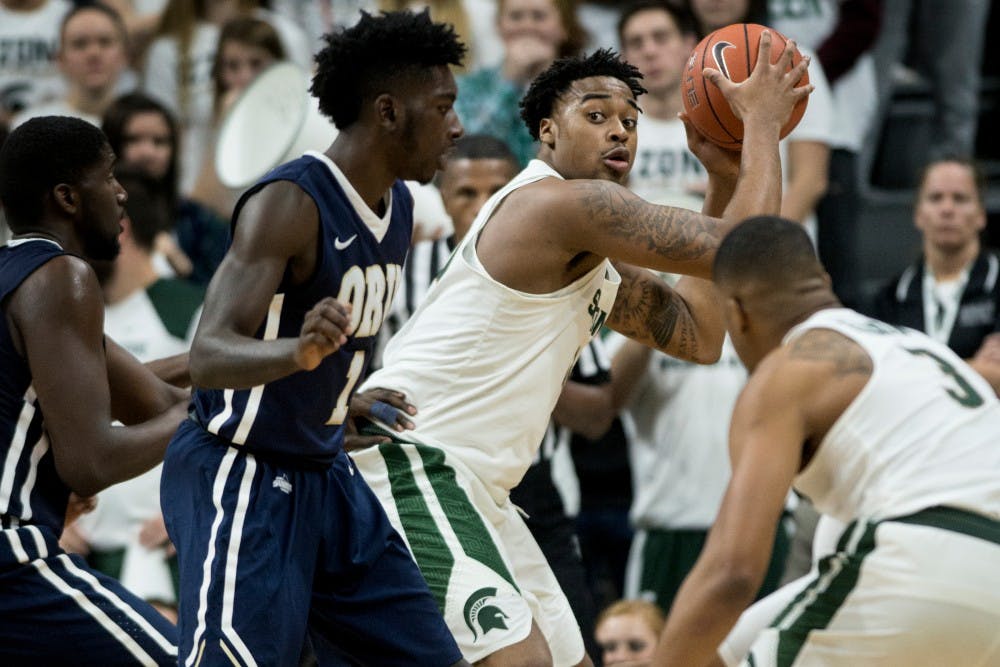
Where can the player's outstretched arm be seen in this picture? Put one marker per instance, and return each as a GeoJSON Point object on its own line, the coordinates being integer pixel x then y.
{"type": "Point", "coordinates": [58, 316]}
{"type": "Point", "coordinates": [793, 397]}
{"type": "Point", "coordinates": [275, 238]}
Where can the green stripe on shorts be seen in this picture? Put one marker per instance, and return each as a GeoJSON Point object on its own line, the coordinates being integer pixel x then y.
{"type": "Point", "coordinates": [476, 541]}
{"type": "Point", "coordinates": [427, 543]}
{"type": "Point", "coordinates": [955, 520]}
{"type": "Point", "coordinates": [814, 607]}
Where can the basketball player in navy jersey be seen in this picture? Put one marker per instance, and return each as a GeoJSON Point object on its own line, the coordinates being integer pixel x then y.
{"type": "Point", "coordinates": [278, 537]}
{"type": "Point", "coordinates": [62, 382]}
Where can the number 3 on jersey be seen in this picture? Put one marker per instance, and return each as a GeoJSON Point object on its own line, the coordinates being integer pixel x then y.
{"type": "Point", "coordinates": [966, 395]}
{"type": "Point", "coordinates": [339, 413]}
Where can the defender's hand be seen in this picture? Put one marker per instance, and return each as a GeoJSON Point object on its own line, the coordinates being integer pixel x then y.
{"type": "Point", "coordinates": [326, 327]}
{"type": "Point", "coordinates": [387, 406]}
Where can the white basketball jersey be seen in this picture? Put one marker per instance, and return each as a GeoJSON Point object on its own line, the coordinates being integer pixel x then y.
{"type": "Point", "coordinates": [922, 432]}
{"type": "Point", "coordinates": [484, 363]}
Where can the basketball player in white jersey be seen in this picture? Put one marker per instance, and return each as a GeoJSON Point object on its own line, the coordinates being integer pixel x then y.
{"type": "Point", "coordinates": [485, 355]}
{"type": "Point", "coordinates": [883, 428]}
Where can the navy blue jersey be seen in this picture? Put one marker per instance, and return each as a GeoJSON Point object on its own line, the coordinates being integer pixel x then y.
{"type": "Point", "coordinates": [30, 490]}
{"type": "Point", "coordinates": [302, 415]}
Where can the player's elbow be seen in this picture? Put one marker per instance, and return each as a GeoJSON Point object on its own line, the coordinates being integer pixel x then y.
{"type": "Point", "coordinates": [83, 476]}
{"type": "Point", "coordinates": [814, 189]}
{"type": "Point", "coordinates": [736, 587]}
{"type": "Point", "coordinates": [709, 355]}
{"type": "Point", "coordinates": [594, 427]}
{"type": "Point", "coordinates": [821, 185]}
{"type": "Point", "coordinates": [708, 349]}
{"type": "Point", "coordinates": [200, 362]}
{"type": "Point", "coordinates": [738, 579]}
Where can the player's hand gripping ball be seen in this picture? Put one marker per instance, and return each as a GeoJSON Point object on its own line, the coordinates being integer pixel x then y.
{"type": "Point", "coordinates": [733, 51]}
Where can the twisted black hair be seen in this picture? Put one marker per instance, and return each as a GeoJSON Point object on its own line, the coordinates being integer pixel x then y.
{"type": "Point", "coordinates": [541, 97]}
{"type": "Point", "coordinates": [39, 155]}
{"type": "Point", "coordinates": [361, 62]}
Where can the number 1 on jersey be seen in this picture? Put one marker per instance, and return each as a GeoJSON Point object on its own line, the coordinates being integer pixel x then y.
{"type": "Point", "coordinates": [339, 413]}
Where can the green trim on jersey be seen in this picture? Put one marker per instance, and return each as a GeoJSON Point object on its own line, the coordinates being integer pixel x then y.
{"type": "Point", "coordinates": [176, 302]}
{"type": "Point", "coordinates": [837, 577]}
{"type": "Point", "coordinates": [429, 547]}
{"type": "Point", "coordinates": [462, 515]}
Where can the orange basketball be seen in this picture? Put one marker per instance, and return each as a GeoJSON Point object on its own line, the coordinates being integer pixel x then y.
{"type": "Point", "coordinates": [733, 51]}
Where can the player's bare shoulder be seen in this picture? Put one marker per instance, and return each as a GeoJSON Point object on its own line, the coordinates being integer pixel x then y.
{"type": "Point", "coordinates": [816, 376]}
{"type": "Point", "coordinates": [532, 212]}
{"type": "Point", "coordinates": [257, 234]}
{"type": "Point", "coordinates": [64, 284]}
{"type": "Point", "coordinates": [825, 346]}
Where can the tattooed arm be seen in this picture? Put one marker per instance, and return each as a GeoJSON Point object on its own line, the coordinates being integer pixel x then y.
{"type": "Point", "coordinates": [684, 322]}
{"type": "Point", "coordinates": [605, 219]}
{"type": "Point", "coordinates": [794, 397]}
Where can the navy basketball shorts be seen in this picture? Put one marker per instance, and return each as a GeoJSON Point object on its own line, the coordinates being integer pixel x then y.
{"type": "Point", "coordinates": [55, 610]}
{"type": "Point", "coordinates": [271, 553]}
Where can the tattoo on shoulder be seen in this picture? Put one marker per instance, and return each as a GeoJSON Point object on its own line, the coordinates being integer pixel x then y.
{"type": "Point", "coordinates": [675, 233]}
{"type": "Point", "coordinates": [846, 356]}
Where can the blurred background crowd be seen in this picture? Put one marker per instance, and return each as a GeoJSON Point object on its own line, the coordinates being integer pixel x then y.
{"type": "Point", "coordinates": [891, 171]}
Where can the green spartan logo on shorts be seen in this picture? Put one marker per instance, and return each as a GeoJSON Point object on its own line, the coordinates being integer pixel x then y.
{"type": "Point", "coordinates": [487, 616]}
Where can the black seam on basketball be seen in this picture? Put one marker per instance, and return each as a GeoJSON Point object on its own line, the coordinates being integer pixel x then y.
{"type": "Point", "coordinates": [746, 46]}
{"type": "Point", "coordinates": [708, 99]}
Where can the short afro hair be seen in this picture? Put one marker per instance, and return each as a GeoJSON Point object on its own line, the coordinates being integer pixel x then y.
{"type": "Point", "coordinates": [361, 62]}
{"type": "Point", "coordinates": [39, 155]}
{"type": "Point", "coordinates": [556, 80]}
{"type": "Point", "coordinates": [765, 249]}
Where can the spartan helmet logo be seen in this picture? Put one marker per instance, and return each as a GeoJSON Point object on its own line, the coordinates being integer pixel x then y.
{"type": "Point", "coordinates": [718, 53]}
{"type": "Point", "coordinates": [486, 616]}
